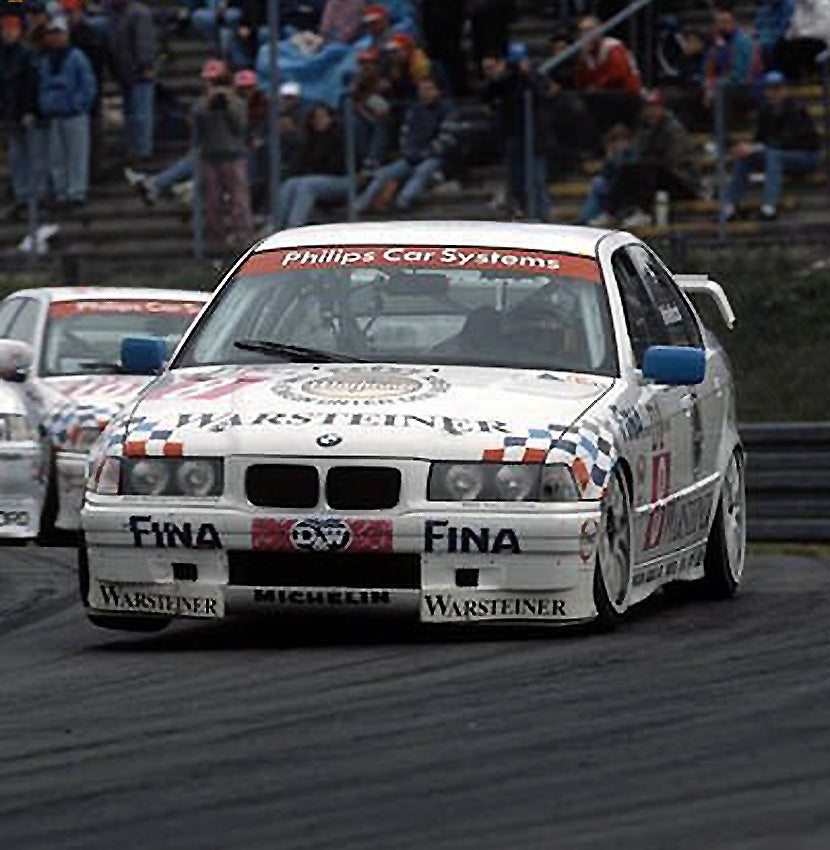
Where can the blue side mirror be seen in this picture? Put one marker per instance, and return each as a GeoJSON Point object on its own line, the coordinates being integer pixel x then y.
{"type": "Point", "coordinates": [667, 364]}
{"type": "Point", "coordinates": [143, 355]}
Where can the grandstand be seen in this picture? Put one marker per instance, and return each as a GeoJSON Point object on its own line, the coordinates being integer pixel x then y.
{"type": "Point", "coordinates": [116, 224]}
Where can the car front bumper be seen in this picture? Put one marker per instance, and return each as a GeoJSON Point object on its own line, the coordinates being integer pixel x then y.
{"type": "Point", "coordinates": [22, 488]}
{"type": "Point", "coordinates": [465, 565]}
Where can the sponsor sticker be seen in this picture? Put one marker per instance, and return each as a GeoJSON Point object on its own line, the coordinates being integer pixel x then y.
{"type": "Point", "coordinates": [14, 519]}
{"type": "Point", "coordinates": [166, 534]}
{"type": "Point", "coordinates": [305, 597]}
{"type": "Point", "coordinates": [450, 607]}
{"type": "Point", "coordinates": [322, 534]}
{"type": "Point", "coordinates": [167, 600]}
{"type": "Point", "coordinates": [440, 536]}
{"type": "Point", "coordinates": [424, 256]}
{"type": "Point", "coordinates": [360, 385]}
{"type": "Point", "coordinates": [59, 309]}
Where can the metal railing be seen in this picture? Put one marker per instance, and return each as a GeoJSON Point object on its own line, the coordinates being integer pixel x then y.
{"type": "Point", "coordinates": [788, 481]}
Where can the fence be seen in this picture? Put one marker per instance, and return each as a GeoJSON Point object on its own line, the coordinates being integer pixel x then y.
{"type": "Point", "coordinates": [788, 481]}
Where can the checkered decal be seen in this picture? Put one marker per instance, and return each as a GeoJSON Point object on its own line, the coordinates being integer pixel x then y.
{"type": "Point", "coordinates": [67, 419]}
{"type": "Point", "coordinates": [590, 452]}
{"type": "Point", "coordinates": [533, 448]}
{"type": "Point", "coordinates": [144, 438]}
{"type": "Point", "coordinates": [587, 449]}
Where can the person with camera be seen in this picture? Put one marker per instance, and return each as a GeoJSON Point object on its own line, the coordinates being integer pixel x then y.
{"type": "Point", "coordinates": [220, 125]}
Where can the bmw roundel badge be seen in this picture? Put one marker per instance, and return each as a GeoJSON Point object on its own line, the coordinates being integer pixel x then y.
{"type": "Point", "coordinates": [329, 441]}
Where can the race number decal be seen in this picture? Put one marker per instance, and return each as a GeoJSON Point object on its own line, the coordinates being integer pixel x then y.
{"type": "Point", "coordinates": [660, 489]}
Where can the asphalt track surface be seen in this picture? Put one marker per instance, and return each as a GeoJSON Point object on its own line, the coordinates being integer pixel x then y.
{"type": "Point", "coordinates": [699, 724]}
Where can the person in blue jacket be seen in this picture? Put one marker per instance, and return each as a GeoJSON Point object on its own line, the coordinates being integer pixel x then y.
{"type": "Point", "coordinates": [66, 95]}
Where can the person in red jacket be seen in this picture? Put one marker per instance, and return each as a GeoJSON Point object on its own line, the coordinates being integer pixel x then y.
{"type": "Point", "coordinates": [605, 63]}
{"type": "Point", "coordinates": [606, 76]}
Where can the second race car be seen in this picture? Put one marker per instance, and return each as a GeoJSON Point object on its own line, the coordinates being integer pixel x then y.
{"type": "Point", "coordinates": [77, 380]}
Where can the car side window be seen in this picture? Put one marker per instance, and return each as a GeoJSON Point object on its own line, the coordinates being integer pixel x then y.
{"type": "Point", "coordinates": [645, 324]}
{"type": "Point", "coordinates": [23, 325]}
{"type": "Point", "coordinates": [680, 324]}
{"type": "Point", "coordinates": [8, 310]}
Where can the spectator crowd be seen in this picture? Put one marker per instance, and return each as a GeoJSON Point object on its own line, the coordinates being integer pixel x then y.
{"type": "Point", "coordinates": [421, 88]}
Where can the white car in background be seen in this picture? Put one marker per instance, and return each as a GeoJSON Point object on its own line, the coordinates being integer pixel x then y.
{"type": "Point", "coordinates": [77, 380]}
{"type": "Point", "coordinates": [24, 456]}
{"type": "Point", "coordinates": [463, 422]}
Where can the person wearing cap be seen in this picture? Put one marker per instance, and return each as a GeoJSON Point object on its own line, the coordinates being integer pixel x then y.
{"type": "Point", "coordinates": [66, 96]}
{"type": "Point", "coordinates": [405, 54]}
{"type": "Point", "coordinates": [786, 142]}
{"type": "Point", "coordinates": [18, 107]}
{"type": "Point", "coordinates": [406, 66]}
{"type": "Point", "coordinates": [425, 142]}
{"type": "Point", "coordinates": [293, 113]}
{"type": "Point", "coordinates": [246, 85]}
{"type": "Point", "coordinates": [376, 24]}
{"type": "Point", "coordinates": [342, 20]}
{"type": "Point", "coordinates": [133, 52]}
{"type": "Point", "coordinates": [220, 124]}
{"type": "Point", "coordinates": [665, 161]}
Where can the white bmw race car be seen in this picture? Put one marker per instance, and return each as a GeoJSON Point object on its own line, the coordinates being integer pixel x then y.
{"type": "Point", "coordinates": [463, 422]}
{"type": "Point", "coordinates": [75, 378]}
{"type": "Point", "coordinates": [23, 451]}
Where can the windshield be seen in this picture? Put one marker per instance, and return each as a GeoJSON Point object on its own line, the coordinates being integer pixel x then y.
{"type": "Point", "coordinates": [83, 337]}
{"type": "Point", "coordinates": [412, 304]}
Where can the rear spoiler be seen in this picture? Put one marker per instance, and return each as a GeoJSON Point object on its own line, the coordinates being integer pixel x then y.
{"type": "Point", "coordinates": [699, 284]}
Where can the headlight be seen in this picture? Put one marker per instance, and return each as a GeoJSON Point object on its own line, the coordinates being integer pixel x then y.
{"type": "Point", "coordinates": [463, 481]}
{"type": "Point", "coordinates": [160, 476]}
{"type": "Point", "coordinates": [557, 484]}
{"type": "Point", "coordinates": [501, 482]}
{"type": "Point", "coordinates": [15, 428]}
{"type": "Point", "coordinates": [197, 477]}
{"type": "Point", "coordinates": [516, 483]}
{"type": "Point", "coordinates": [146, 477]}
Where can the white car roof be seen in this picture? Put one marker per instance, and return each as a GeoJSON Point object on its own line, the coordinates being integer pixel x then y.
{"type": "Point", "coordinates": [541, 237]}
{"type": "Point", "coordinates": [112, 293]}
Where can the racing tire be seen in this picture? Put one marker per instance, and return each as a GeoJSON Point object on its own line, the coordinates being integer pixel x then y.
{"type": "Point", "coordinates": [723, 563]}
{"type": "Point", "coordinates": [612, 572]}
{"type": "Point", "coordinates": [49, 535]}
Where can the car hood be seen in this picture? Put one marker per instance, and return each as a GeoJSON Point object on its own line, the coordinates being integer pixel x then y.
{"type": "Point", "coordinates": [85, 401]}
{"type": "Point", "coordinates": [375, 410]}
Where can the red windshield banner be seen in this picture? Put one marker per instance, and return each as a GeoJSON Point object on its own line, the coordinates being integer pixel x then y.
{"type": "Point", "coordinates": [422, 256]}
{"type": "Point", "coordinates": [120, 307]}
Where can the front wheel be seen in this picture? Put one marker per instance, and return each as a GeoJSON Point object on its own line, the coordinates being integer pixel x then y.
{"type": "Point", "coordinates": [612, 574]}
{"type": "Point", "coordinates": [723, 564]}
